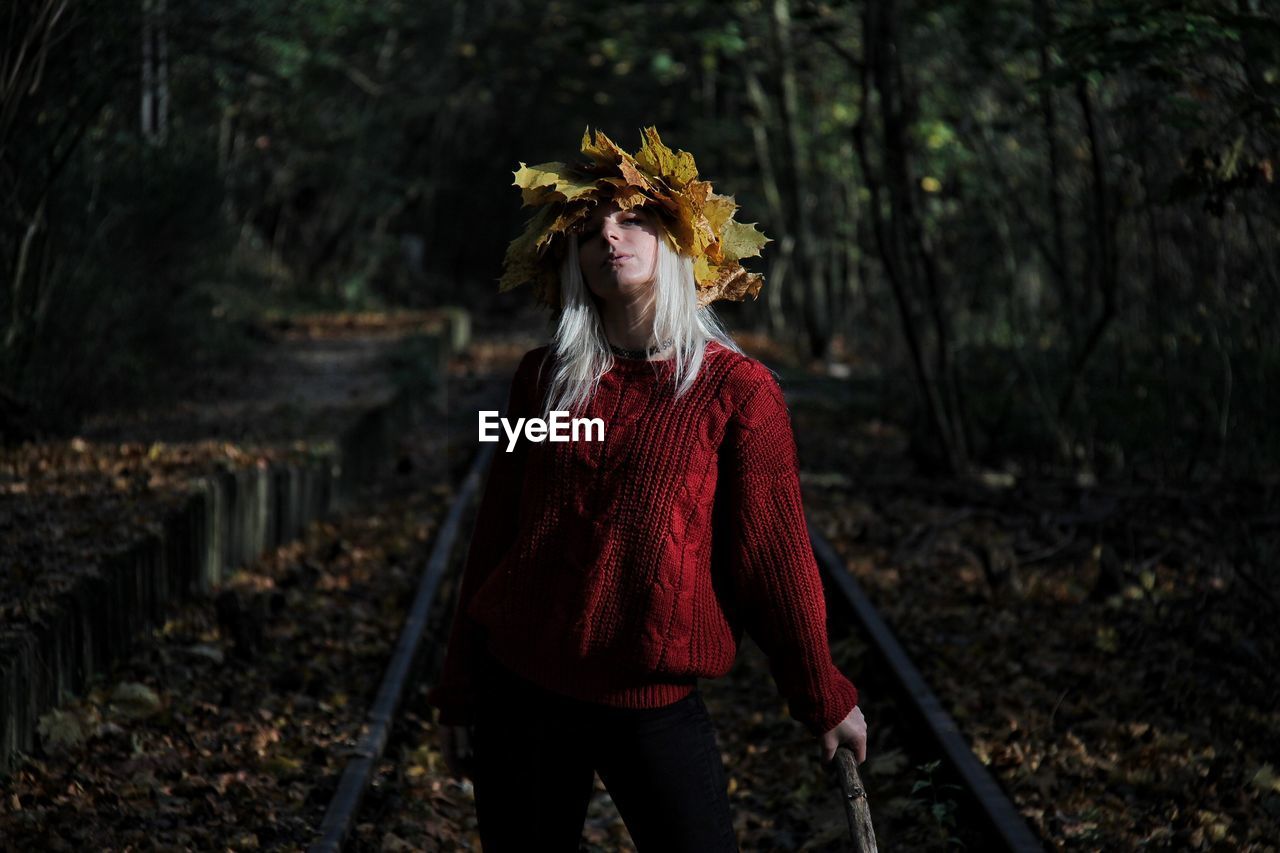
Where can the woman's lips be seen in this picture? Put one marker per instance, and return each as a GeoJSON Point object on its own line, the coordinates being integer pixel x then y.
{"type": "Point", "coordinates": [616, 260]}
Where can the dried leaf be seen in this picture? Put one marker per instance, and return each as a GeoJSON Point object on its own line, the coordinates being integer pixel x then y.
{"type": "Point", "coordinates": [742, 240]}
{"type": "Point", "coordinates": [698, 223]}
{"type": "Point", "coordinates": [551, 182]}
{"type": "Point", "coordinates": [135, 700]}
{"type": "Point", "coordinates": [677, 167]}
{"type": "Point", "coordinates": [1266, 780]}
{"type": "Point", "coordinates": [61, 731]}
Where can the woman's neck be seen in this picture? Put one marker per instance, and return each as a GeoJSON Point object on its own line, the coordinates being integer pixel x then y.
{"type": "Point", "coordinates": [628, 324]}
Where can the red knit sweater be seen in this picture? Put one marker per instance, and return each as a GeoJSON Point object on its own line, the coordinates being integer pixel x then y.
{"type": "Point", "coordinates": [621, 571]}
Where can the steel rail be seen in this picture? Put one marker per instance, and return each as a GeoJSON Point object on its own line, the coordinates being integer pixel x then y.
{"type": "Point", "coordinates": [345, 803]}
{"type": "Point", "coordinates": [1000, 817]}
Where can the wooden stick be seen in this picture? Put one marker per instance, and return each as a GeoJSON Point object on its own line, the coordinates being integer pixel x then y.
{"type": "Point", "coordinates": [855, 802]}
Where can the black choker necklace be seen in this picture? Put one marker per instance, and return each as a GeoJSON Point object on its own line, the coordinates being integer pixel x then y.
{"type": "Point", "coordinates": [639, 353]}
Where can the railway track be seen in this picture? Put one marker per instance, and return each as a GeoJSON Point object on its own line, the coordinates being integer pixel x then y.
{"type": "Point", "coordinates": [987, 803]}
{"type": "Point", "coordinates": [926, 788]}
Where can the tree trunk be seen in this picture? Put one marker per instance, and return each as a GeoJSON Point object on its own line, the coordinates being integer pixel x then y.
{"type": "Point", "coordinates": [1061, 264]}
{"type": "Point", "coordinates": [781, 262]}
{"type": "Point", "coordinates": [154, 107]}
{"type": "Point", "coordinates": [1103, 252]}
{"type": "Point", "coordinates": [914, 260]}
{"type": "Point", "coordinates": [22, 65]}
{"type": "Point", "coordinates": [813, 303]}
{"type": "Point", "coordinates": [890, 258]}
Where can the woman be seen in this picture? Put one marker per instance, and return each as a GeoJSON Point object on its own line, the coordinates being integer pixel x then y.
{"type": "Point", "coordinates": [606, 577]}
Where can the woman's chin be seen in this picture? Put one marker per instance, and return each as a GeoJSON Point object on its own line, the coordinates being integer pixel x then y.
{"type": "Point", "coordinates": [624, 288]}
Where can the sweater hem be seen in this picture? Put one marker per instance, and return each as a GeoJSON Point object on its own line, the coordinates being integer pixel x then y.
{"type": "Point", "coordinates": [594, 686]}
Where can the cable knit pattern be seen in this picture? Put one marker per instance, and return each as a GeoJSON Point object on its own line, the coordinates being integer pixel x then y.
{"type": "Point", "coordinates": [621, 571]}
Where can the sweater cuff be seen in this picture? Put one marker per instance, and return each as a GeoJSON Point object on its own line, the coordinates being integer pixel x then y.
{"type": "Point", "coordinates": [830, 709]}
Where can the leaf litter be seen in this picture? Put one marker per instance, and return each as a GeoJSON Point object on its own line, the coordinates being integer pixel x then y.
{"type": "Point", "coordinates": [1108, 651]}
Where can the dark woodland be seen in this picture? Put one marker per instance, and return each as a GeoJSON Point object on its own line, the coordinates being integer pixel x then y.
{"type": "Point", "coordinates": [1023, 293]}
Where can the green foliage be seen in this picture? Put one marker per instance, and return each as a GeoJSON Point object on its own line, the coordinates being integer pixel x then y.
{"type": "Point", "coordinates": [938, 802]}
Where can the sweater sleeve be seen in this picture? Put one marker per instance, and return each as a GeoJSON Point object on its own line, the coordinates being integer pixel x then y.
{"type": "Point", "coordinates": [778, 588]}
{"type": "Point", "coordinates": [497, 525]}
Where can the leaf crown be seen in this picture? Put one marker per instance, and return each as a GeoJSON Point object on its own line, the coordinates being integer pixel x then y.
{"type": "Point", "coordinates": [698, 223]}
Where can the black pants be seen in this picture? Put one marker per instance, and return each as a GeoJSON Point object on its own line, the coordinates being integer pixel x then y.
{"type": "Point", "coordinates": [536, 753]}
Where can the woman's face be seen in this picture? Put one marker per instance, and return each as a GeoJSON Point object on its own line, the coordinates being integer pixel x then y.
{"type": "Point", "coordinates": [618, 251]}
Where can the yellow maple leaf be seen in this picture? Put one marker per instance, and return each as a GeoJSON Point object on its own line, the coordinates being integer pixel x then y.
{"type": "Point", "coordinates": [551, 182]}
{"type": "Point", "coordinates": [675, 167]}
{"type": "Point", "coordinates": [603, 150]}
{"type": "Point", "coordinates": [741, 240]}
{"type": "Point", "coordinates": [566, 219]}
{"type": "Point", "coordinates": [719, 209]}
{"type": "Point", "coordinates": [630, 197]}
{"type": "Point", "coordinates": [522, 262]}
{"type": "Point", "coordinates": [698, 223]}
{"type": "Point", "coordinates": [632, 174]}
{"type": "Point", "coordinates": [702, 271]}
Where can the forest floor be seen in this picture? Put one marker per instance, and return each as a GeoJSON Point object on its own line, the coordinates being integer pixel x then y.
{"type": "Point", "coordinates": [1109, 651]}
{"type": "Point", "coordinates": [65, 504]}
{"type": "Point", "coordinates": [1101, 649]}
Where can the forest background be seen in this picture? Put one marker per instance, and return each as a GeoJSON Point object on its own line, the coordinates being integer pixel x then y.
{"type": "Point", "coordinates": [1023, 286]}
{"type": "Point", "coordinates": [1043, 229]}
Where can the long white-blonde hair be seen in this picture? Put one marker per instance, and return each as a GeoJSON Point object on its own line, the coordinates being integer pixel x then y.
{"type": "Point", "coordinates": [581, 350]}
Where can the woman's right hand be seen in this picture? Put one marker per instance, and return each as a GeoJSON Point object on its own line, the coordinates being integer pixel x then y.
{"type": "Point", "coordinates": [850, 732]}
{"type": "Point", "coordinates": [455, 746]}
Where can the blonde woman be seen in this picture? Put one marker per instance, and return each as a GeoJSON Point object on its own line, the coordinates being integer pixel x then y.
{"type": "Point", "coordinates": [606, 577]}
